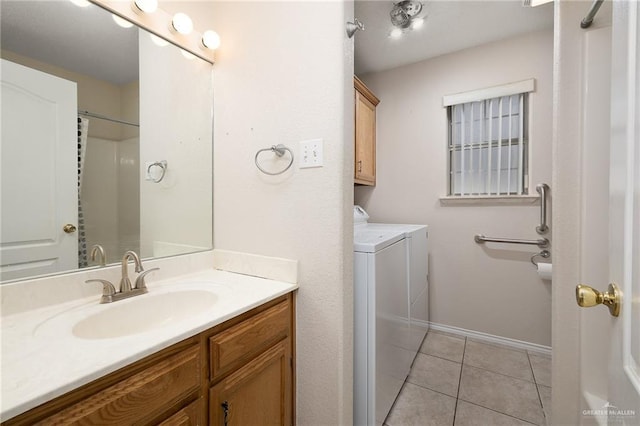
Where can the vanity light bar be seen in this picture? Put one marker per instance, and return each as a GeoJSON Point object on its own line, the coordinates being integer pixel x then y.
{"type": "Point", "coordinates": [146, 6]}
{"type": "Point", "coordinates": [182, 23]}
{"type": "Point", "coordinates": [162, 24]}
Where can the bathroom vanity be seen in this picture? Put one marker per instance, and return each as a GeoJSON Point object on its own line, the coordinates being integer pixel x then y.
{"type": "Point", "coordinates": [209, 347]}
{"type": "Point", "coordinates": [239, 372]}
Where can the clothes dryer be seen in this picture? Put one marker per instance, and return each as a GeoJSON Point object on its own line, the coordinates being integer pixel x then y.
{"type": "Point", "coordinates": [391, 311]}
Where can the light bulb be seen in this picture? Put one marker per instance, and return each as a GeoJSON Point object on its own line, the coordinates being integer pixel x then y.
{"type": "Point", "coordinates": [395, 33]}
{"type": "Point", "coordinates": [158, 41]}
{"type": "Point", "coordinates": [80, 3]}
{"type": "Point", "coordinates": [211, 39]}
{"type": "Point", "coordinates": [182, 23]}
{"type": "Point", "coordinates": [147, 6]}
{"type": "Point", "coordinates": [121, 22]}
{"type": "Point", "coordinates": [417, 23]}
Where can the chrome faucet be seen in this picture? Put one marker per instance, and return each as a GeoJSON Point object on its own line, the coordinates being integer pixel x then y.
{"type": "Point", "coordinates": [97, 249]}
{"type": "Point", "coordinates": [109, 293]}
{"type": "Point", "coordinates": [125, 282]}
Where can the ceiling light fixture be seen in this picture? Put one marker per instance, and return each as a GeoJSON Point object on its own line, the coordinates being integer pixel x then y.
{"type": "Point", "coordinates": [211, 40]}
{"type": "Point", "coordinates": [182, 23]}
{"type": "Point", "coordinates": [405, 15]}
{"type": "Point", "coordinates": [146, 6]}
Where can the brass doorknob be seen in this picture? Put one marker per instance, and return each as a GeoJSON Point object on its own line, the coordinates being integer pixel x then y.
{"type": "Point", "coordinates": [69, 228]}
{"type": "Point", "coordinates": [588, 296]}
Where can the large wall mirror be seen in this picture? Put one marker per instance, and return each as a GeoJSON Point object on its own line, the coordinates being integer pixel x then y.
{"type": "Point", "coordinates": [106, 140]}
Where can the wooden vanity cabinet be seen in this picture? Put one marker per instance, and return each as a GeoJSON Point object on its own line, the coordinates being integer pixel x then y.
{"type": "Point", "coordinates": [243, 367]}
{"type": "Point", "coordinates": [365, 134]}
{"type": "Point", "coordinates": [252, 369]}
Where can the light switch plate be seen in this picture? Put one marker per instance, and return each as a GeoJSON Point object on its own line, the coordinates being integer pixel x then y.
{"type": "Point", "coordinates": [310, 153]}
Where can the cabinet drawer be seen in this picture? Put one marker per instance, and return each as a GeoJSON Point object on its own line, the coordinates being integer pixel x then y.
{"type": "Point", "coordinates": [132, 400]}
{"type": "Point", "coordinates": [243, 341]}
{"type": "Point", "coordinates": [191, 415]}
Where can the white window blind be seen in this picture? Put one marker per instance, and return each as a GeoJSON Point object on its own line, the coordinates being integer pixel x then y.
{"type": "Point", "coordinates": [488, 146]}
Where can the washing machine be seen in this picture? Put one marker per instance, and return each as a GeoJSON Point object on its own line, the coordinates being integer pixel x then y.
{"type": "Point", "coordinates": [391, 311]}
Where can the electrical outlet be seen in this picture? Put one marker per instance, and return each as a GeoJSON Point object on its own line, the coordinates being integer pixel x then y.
{"type": "Point", "coordinates": [310, 153]}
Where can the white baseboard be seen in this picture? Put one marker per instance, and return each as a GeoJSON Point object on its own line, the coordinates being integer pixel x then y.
{"type": "Point", "coordinates": [490, 338]}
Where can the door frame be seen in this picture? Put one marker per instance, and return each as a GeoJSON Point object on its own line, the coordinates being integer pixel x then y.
{"type": "Point", "coordinates": [568, 186]}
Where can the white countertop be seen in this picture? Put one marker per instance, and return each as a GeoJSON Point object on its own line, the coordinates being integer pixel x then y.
{"type": "Point", "coordinates": [41, 358]}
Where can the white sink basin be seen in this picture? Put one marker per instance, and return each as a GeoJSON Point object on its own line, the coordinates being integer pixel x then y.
{"type": "Point", "coordinates": [144, 313]}
{"type": "Point", "coordinates": [161, 307]}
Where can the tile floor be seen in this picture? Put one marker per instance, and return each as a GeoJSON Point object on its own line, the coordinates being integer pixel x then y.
{"type": "Point", "coordinates": [458, 381]}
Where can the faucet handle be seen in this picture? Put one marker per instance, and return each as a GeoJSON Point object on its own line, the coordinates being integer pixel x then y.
{"type": "Point", "coordinates": [108, 290]}
{"type": "Point", "coordinates": [140, 284]}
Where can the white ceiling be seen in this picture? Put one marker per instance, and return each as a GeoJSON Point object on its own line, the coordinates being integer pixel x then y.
{"type": "Point", "coordinates": [86, 40]}
{"type": "Point", "coordinates": [450, 25]}
{"type": "Point", "coordinates": [81, 39]}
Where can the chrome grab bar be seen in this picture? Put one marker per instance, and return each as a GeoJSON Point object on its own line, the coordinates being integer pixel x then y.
{"type": "Point", "coordinates": [480, 239]}
{"type": "Point", "coordinates": [542, 188]}
{"type": "Point", "coordinates": [588, 20]}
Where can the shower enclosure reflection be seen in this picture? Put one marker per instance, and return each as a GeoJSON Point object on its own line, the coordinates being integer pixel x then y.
{"type": "Point", "coordinates": [109, 187]}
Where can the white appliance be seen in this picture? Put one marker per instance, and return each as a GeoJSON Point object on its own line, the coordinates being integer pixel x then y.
{"type": "Point", "coordinates": [391, 311]}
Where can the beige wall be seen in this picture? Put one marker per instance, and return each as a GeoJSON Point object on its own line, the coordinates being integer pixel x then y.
{"type": "Point", "coordinates": [494, 288]}
{"type": "Point", "coordinates": [282, 76]}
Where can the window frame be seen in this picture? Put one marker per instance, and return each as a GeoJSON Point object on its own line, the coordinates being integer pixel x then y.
{"type": "Point", "coordinates": [523, 88]}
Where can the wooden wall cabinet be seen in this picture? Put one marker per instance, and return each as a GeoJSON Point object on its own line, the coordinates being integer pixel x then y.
{"type": "Point", "coordinates": [365, 134]}
{"type": "Point", "coordinates": [240, 372]}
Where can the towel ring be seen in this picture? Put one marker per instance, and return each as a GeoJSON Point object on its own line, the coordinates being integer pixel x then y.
{"type": "Point", "coordinates": [279, 151]}
{"type": "Point", "coordinates": [163, 165]}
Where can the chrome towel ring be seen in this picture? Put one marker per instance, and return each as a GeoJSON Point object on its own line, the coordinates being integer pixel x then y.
{"type": "Point", "coordinates": [163, 166]}
{"type": "Point", "coordinates": [279, 151]}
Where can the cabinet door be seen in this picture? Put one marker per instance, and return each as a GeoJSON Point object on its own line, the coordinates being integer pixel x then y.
{"type": "Point", "coordinates": [259, 393]}
{"type": "Point", "coordinates": [365, 141]}
{"type": "Point", "coordinates": [191, 415]}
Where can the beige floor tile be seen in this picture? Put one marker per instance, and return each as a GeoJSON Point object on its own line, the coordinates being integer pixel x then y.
{"type": "Point", "coordinates": [541, 369]}
{"type": "Point", "coordinates": [473, 415]}
{"type": "Point", "coordinates": [545, 397]}
{"type": "Point", "coordinates": [419, 406]}
{"type": "Point", "coordinates": [508, 395]}
{"type": "Point", "coordinates": [498, 359]}
{"type": "Point", "coordinates": [443, 346]}
{"type": "Point", "coordinates": [436, 374]}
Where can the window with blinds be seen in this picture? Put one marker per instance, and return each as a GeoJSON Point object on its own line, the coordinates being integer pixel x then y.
{"type": "Point", "coordinates": [488, 146]}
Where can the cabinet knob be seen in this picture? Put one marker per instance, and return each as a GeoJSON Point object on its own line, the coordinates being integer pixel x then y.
{"type": "Point", "coordinates": [69, 228]}
{"type": "Point", "coordinates": [359, 166]}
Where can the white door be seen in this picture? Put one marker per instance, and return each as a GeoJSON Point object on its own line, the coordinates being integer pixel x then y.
{"type": "Point", "coordinates": [624, 213]}
{"type": "Point", "coordinates": [39, 173]}
{"type": "Point", "coordinates": [610, 346]}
